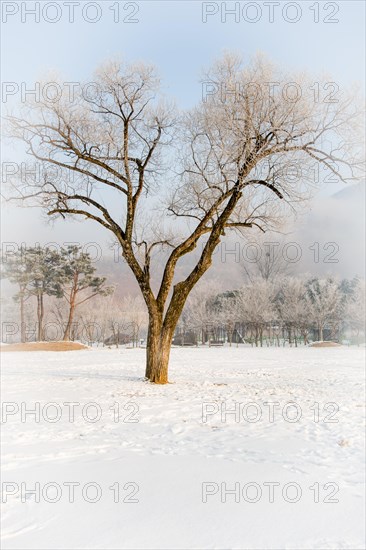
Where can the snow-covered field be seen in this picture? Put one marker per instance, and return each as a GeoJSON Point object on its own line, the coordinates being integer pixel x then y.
{"type": "Point", "coordinates": [268, 475]}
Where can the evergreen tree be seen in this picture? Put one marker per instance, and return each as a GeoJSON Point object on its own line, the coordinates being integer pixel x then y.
{"type": "Point", "coordinates": [77, 282]}
{"type": "Point", "coordinates": [43, 265]}
{"type": "Point", "coordinates": [34, 271]}
{"type": "Point", "coordinates": [14, 268]}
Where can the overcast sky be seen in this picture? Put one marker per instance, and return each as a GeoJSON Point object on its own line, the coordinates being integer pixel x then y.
{"type": "Point", "coordinates": [180, 38]}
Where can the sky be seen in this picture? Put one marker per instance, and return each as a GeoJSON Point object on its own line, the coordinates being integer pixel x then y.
{"type": "Point", "coordinates": [180, 38]}
{"type": "Point", "coordinates": [174, 36]}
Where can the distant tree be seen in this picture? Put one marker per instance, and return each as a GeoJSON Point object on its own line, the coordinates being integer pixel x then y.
{"type": "Point", "coordinates": [112, 321]}
{"type": "Point", "coordinates": [293, 308]}
{"type": "Point", "coordinates": [44, 265]}
{"type": "Point", "coordinates": [255, 306]}
{"type": "Point", "coordinates": [227, 312]}
{"type": "Point", "coordinates": [15, 268]}
{"type": "Point", "coordinates": [109, 317]}
{"type": "Point", "coordinates": [355, 308]}
{"type": "Point", "coordinates": [199, 313]}
{"type": "Point", "coordinates": [77, 282]}
{"type": "Point", "coordinates": [265, 258]}
{"type": "Point", "coordinates": [324, 299]}
{"type": "Point", "coordinates": [135, 315]}
{"type": "Point", "coordinates": [34, 271]}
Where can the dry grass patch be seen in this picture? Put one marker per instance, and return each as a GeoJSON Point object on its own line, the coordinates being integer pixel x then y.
{"type": "Point", "coordinates": [325, 345]}
{"type": "Point", "coordinates": [44, 346]}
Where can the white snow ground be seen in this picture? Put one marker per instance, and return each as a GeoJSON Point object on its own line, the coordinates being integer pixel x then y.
{"type": "Point", "coordinates": [163, 459]}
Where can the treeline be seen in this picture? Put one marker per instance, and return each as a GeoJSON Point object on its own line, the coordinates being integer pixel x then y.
{"type": "Point", "coordinates": [288, 308]}
{"type": "Point", "coordinates": [60, 296]}
{"type": "Point", "coordinates": [62, 280]}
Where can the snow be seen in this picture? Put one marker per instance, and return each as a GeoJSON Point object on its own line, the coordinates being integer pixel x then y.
{"type": "Point", "coordinates": [170, 451]}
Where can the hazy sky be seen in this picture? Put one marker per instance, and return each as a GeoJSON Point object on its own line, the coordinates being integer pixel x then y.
{"type": "Point", "coordinates": [314, 36]}
{"type": "Point", "coordinates": [172, 35]}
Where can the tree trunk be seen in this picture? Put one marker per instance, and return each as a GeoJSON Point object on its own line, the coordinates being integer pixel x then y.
{"type": "Point", "coordinates": [40, 315]}
{"type": "Point", "coordinates": [67, 332]}
{"type": "Point", "coordinates": [22, 315]}
{"type": "Point", "coordinates": [159, 341]}
{"type": "Point", "coordinates": [230, 335]}
{"type": "Point", "coordinates": [72, 302]}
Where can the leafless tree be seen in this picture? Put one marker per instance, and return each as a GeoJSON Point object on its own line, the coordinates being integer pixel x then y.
{"type": "Point", "coordinates": [234, 153]}
{"type": "Point", "coordinates": [228, 313]}
{"type": "Point", "coordinates": [255, 306]}
{"type": "Point", "coordinates": [135, 314]}
{"type": "Point", "coordinates": [265, 258]}
{"type": "Point", "coordinates": [355, 310]}
{"type": "Point", "coordinates": [200, 314]}
{"type": "Point", "coordinates": [324, 299]}
{"type": "Point", "coordinates": [113, 323]}
{"type": "Point", "coordinates": [294, 308]}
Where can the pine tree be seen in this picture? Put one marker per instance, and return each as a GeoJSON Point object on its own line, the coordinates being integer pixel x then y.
{"type": "Point", "coordinates": [77, 282]}
{"type": "Point", "coordinates": [44, 265]}
{"type": "Point", "coordinates": [33, 270]}
{"type": "Point", "coordinates": [15, 268]}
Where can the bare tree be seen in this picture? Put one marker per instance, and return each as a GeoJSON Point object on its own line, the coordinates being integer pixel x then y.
{"type": "Point", "coordinates": [199, 311]}
{"type": "Point", "coordinates": [234, 155]}
{"type": "Point", "coordinates": [324, 300]}
{"type": "Point", "coordinates": [228, 313]}
{"type": "Point", "coordinates": [265, 258]}
{"type": "Point", "coordinates": [114, 322]}
{"type": "Point", "coordinates": [135, 315]}
{"type": "Point", "coordinates": [355, 309]}
{"type": "Point", "coordinates": [255, 306]}
{"type": "Point", "coordinates": [293, 307]}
